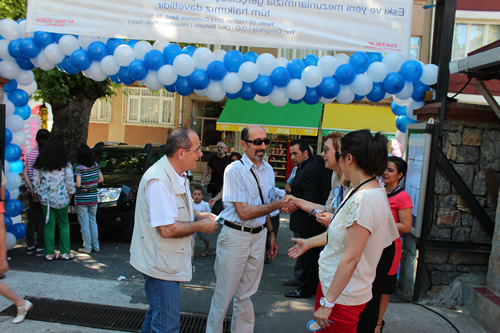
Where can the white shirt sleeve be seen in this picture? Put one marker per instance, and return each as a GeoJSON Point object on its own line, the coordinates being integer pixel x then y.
{"type": "Point", "coordinates": [162, 206]}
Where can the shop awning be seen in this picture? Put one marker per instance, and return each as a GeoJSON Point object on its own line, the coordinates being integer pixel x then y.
{"type": "Point", "coordinates": [291, 119]}
{"type": "Point", "coordinates": [346, 118]}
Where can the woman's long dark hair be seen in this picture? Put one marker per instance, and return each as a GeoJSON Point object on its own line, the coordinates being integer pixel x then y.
{"type": "Point", "coordinates": [53, 155]}
{"type": "Point", "coordinates": [85, 156]}
{"type": "Point", "coordinates": [369, 152]}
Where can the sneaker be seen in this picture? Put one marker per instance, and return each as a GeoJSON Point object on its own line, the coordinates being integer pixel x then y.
{"type": "Point", "coordinates": [30, 250]}
{"type": "Point", "coordinates": [96, 250]}
{"type": "Point", "coordinates": [39, 253]}
{"type": "Point", "coordinates": [84, 250]}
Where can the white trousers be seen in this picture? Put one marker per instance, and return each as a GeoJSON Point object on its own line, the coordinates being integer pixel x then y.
{"type": "Point", "coordinates": [238, 268]}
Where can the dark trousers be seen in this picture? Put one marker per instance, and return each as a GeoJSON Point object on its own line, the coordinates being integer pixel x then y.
{"type": "Point", "coordinates": [36, 225]}
{"type": "Point", "coordinates": [215, 189]}
{"type": "Point", "coordinates": [309, 263]}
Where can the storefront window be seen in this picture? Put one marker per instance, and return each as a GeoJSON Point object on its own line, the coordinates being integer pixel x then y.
{"type": "Point", "coordinates": [205, 116]}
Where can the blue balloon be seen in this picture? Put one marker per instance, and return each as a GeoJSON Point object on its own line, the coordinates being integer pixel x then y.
{"type": "Point", "coordinates": [23, 111]}
{"type": "Point", "coordinates": [12, 152]}
{"type": "Point", "coordinates": [251, 56]}
{"type": "Point", "coordinates": [398, 110]}
{"type": "Point", "coordinates": [67, 67]}
{"type": "Point", "coordinates": [216, 70]}
{"type": "Point", "coordinates": [402, 121]}
{"type": "Point", "coordinates": [57, 36]}
{"type": "Point", "coordinates": [43, 38]}
{"type": "Point", "coordinates": [170, 52]}
{"type": "Point", "coordinates": [8, 223]}
{"type": "Point", "coordinates": [16, 166]}
{"type": "Point", "coordinates": [115, 78]}
{"type": "Point", "coordinates": [80, 60]}
{"type": "Point", "coordinates": [189, 49]}
{"type": "Point", "coordinates": [375, 56]}
{"type": "Point", "coordinates": [419, 90]}
{"type": "Point", "coordinates": [19, 97]}
{"type": "Point", "coordinates": [97, 50]}
{"type": "Point", "coordinates": [411, 70]}
{"type": "Point", "coordinates": [294, 101]}
{"type": "Point", "coordinates": [233, 60]}
{"type": "Point", "coordinates": [170, 88]}
{"type": "Point", "coordinates": [377, 94]}
{"type": "Point", "coordinates": [154, 60]}
{"type": "Point", "coordinates": [131, 42]}
{"type": "Point", "coordinates": [295, 67]}
{"type": "Point", "coordinates": [7, 195]}
{"type": "Point", "coordinates": [360, 62]}
{"type": "Point", "coordinates": [263, 85]}
{"type": "Point", "coordinates": [358, 98]}
{"type": "Point", "coordinates": [113, 43]}
{"type": "Point", "coordinates": [25, 63]}
{"type": "Point", "coordinates": [329, 87]}
{"type": "Point", "coordinates": [182, 86]}
{"type": "Point", "coordinates": [233, 96]}
{"type": "Point", "coordinates": [312, 96]}
{"type": "Point", "coordinates": [345, 74]}
{"type": "Point", "coordinates": [8, 136]}
{"type": "Point", "coordinates": [137, 70]}
{"type": "Point", "coordinates": [246, 92]}
{"type": "Point", "coordinates": [14, 48]}
{"type": "Point", "coordinates": [10, 86]}
{"type": "Point", "coordinates": [280, 76]}
{"type": "Point", "coordinates": [310, 60]}
{"type": "Point", "coordinates": [19, 230]}
{"type": "Point", "coordinates": [394, 83]}
{"type": "Point", "coordinates": [124, 76]}
{"type": "Point", "coordinates": [29, 49]}
{"type": "Point", "coordinates": [199, 79]}
{"type": "Point", "coordinates": [13, 207]}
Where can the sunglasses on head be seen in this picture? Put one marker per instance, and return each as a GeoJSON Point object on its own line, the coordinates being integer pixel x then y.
{"type": "Point", "coordinates": [258, 142]}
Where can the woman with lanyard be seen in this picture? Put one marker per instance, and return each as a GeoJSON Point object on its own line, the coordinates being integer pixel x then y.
{"type": "Point", "coordinates": [339, 188]}
{"type": "Point", "coordinates": [359, 231]}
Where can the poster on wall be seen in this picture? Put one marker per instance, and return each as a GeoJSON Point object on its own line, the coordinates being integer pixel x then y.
{"type": "Point", "coordinates": [356, 25]}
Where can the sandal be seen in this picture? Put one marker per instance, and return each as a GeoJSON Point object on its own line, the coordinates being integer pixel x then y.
{"type": "Point", "coordinates": [381, 327]}
{"type": "Point", "coordinates": [68, 256]}
{"type": "Point", "coordinates": [205, 253]}
{"type": "Point", "coordinates": [51, 257]}
{"type": "Point", "coordinates": [20, 317]}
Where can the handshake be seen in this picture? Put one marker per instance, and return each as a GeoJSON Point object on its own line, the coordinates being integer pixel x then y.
{"type": "Point", "coordinates": [290, 204]}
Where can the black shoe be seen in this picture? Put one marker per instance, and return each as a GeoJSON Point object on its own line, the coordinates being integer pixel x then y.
{"type": "Point", "coordinates": [290, 283]}
{"type": "Point", "coordinates": [298, 294]}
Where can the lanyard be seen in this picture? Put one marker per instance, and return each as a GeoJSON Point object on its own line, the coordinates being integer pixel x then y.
{"type": "Point", "coordinates": [338, 196]}
{"type": "Point", "coordinates": [393, 190]}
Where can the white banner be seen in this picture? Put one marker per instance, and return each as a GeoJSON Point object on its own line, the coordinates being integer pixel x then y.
{"type": "Point", "coordinates": [355, 25]}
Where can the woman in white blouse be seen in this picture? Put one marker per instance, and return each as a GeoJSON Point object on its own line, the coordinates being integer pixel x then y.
{"type": "Point", "coordinates": [359, 231]}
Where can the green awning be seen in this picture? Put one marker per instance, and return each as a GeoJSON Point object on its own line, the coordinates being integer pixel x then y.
{"type": "Point", "coordinates": [291, 119]}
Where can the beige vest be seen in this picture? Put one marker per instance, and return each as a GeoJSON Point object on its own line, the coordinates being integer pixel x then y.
{"type": "Point", "coordinates": [151, 254]}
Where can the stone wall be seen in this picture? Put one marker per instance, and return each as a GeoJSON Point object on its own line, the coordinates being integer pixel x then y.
{"type": "Point", "coordinates": [470, 140]}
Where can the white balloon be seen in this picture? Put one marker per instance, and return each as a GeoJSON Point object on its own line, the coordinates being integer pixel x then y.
{"type": "Point", "coordinates": [312, 76]}
{"type": "Point", "coordinates": [377, 71]}
{"type": "Point", "coordinates": [346, 95]}
{"type": "Point", "coordinates": [30, 89]}
{"type": "Point", "coordinates": [326, 100]}
{"type": "Point", "coordinates": [393, 61]}
{"type": "Point", "coordinates": [9, 69]}
{"type": "Point", "coordinates": [401, 137]}
{"type": "Point", "coordinates": [14, 193]}
{"type": "Point", "coordinates": [21, 29]}
{"type": "Point", "coordinates": [151, 81]}
{"type": "Point", "coordinates": [202, 92]}
{"type": "Point", "coordinates": [160, 45]}
{"type": "Point", "coordinates": [183, 65]}
{"type": "Point", "coordinates": [266, 63]}
{"type": "Point", "coordinates": [414, 105]}
{"type": "Point", "coordinates": [166, 75]}
{"type": "Point", "coordinates": [53, 54]}
{"type": "Point", "coordinates": [109, 66]}
{"type": "Point", "coordinates": [19, 138]}
{"type": "Point", "coordinates": [248, 72]}
{"type": "Point", "coordinates": [86, 73]}
{"type": "Point", "coordinates": [25, 77]}
{"type": "Point", "coordinates": [328, 65]}
{"type": "Point", "coordinates": [429, 74]}
{"type": "Point", "coordinates": [8, 29]}
{"type": "Point", "coordinates": [402, 102]}
{"type": "Point", "coordinates": [96, 72]}
{"type": "Point", "coordinates": [11, 240]}
{"type": "Point", "coordinates": [14, 123]}
{"type": "Point", "coordinates": [13, 181]}
{"type": "Point", "coordinates": [282, 62]}
{"type": "Point", "coordinates": [215, 91]}
{"type": "Point", "coordinates": [68, 44]}
{"type": "Point", "coordinates": [406, 92]}
{"type": "Point", "coordinates": [202, 57]}
{"type": "Point", "coordinates": [42, 62]}
{"type": "Point", "coordinates": [232, 83]}
{"type": "Point", "coordinates": [124, 55]}
{"type": "Point", "coordinates": [219, 55]}
{"type": "Point", "coordinates": [85, 41]}
{"type": "Point", "coordinates": [9, 107]}
{"type": "Point", "coordinates": [278, 97]}
{"type": "Point", "coordinates": [342, 58]}
{"type": "Point", "coordinates": [6, 167]}
{"type": "Point", "coordinates": [296, 89]}
{"type": "Point", "coordinates": [261, 99]}
{"type": "Point", "coordinates": [4, 50]}
{"type": "Point", "coordinates": [362, 85]}
{"type": "Point", "coordinates": [16, 219]}
{"type": "Point", "coordinates": [103, 39]}
{"type": "Point", "coordinates": [141, 48]}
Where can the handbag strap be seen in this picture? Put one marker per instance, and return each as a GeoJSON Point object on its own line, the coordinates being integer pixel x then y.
{"type": "Point", "coordinates": [258, 185]}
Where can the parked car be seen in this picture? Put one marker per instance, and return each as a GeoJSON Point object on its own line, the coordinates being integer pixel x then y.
{"type": "Point", "coordinates": [122, 166]}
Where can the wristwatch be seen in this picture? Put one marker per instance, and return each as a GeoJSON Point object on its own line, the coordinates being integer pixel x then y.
{"type": "Point", "coordinates": [324, 303]}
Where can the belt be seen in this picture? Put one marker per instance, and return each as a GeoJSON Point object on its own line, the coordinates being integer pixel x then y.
{"type": "Point", "coordinates": [255, 230]}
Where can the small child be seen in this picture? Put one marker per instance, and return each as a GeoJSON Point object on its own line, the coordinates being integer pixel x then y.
{"type": "Point", "coordinates": [202, 207]}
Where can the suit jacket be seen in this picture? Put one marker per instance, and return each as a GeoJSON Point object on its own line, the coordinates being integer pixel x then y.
{"type": "Point", "coordinates": [311, 183]}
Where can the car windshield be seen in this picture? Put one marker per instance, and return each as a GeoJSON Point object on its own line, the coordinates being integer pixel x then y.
{"type": "Point", "coordinates": [121, 161]}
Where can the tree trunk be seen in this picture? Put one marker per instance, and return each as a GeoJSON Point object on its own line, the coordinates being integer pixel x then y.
{"type": "Point", "coordinates": [71, 122]}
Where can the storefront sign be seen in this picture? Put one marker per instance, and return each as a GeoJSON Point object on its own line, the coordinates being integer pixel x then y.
{"type": "Point", "coordinates": [376, 25]}
{"type": "Point", "coordinates": [270, 129]}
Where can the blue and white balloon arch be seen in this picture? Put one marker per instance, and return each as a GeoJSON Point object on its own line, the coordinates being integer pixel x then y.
{"type": "Point", "coordinates": [216, 75]}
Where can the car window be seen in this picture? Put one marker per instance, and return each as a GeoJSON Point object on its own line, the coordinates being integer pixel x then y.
{"type": "Point", "coordinates": [121, 161]}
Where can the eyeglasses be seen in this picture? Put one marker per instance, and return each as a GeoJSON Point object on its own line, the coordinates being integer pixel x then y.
{"type": "Point", "coordinates": [337, 155]}
{"type": "Point", "coordinates": [258, 142]}
{"type": "Point", "coordinates": [198, 150]}
{"type": "Point", "coordinates": [326, 149]}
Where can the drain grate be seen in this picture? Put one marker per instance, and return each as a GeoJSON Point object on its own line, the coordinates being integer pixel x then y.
{"type": "Point", "coordinates": [103, 316]}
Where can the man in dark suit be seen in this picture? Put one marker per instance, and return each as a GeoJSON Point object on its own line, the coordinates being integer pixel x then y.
{"type": "Point", "coordinates": [311, 183]}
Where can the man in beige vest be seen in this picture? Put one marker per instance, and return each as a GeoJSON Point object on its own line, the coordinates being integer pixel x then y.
{"type": "Point", "coordinates": [162, 242]}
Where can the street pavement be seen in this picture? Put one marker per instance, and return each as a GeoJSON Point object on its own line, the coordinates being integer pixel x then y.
{"type": "Point", "coordinates": [107, 278]}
